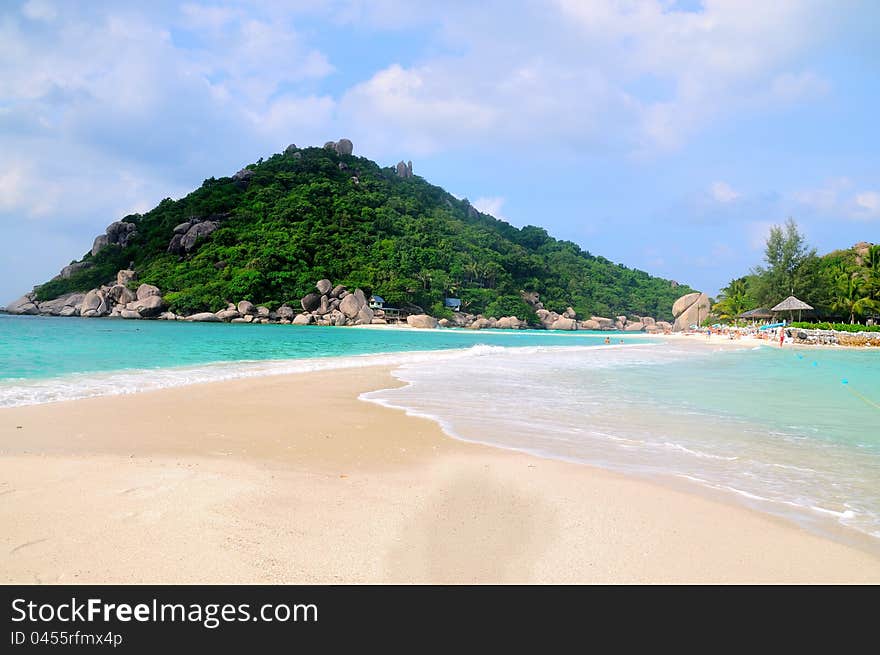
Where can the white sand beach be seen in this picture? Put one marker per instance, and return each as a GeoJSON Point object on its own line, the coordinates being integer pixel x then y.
{"type": "Point", "coordinates": [293, 479]}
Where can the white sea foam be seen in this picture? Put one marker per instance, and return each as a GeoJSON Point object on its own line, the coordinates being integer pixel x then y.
{"type": "Point", "coordinates": [16, 392]}
{"type": "Point", "coordinates": [631, 410]}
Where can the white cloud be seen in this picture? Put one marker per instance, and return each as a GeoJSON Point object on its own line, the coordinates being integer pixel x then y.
{"type": "Point", "coordinates": [838, 199]}
{"type": "Point", "coordinates": [11, 188]}
{"type": "Point", "coordinates": [492, 205]}
{"type": "Point", "coordinates": [867, 205]}
{"type": "Point", "coordinates": [423, 110]}
{"type": "Point", "coordinates": [722, 192]}
{"type": "Point", "coordinates": [825, 198]}
{"type": "Point", "coordinates": [39, 10]}
{"type": "Point", "coordinates": [575, 74]}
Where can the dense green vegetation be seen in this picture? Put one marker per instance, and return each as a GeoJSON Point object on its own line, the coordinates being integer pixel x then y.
{"type": "Point", "coordinates": [843, 285]}
{"type": "Point", "coordinates": [840, 327]}
{"type": "Point", "coordinates": [300, 219]}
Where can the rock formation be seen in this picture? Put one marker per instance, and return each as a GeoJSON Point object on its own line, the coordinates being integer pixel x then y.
{"type": "Point", "coordinates": [24, 305]}
{"type": "Point", "coordinates": [404, 170]}
{"type": "Point", "coordinates": [422, 321]}
{"type": "Point", "coordinates": [70, 269]}
{"type": "Point", "coordinates": [186, 235]}
{"type": "Point", "coordinates": [690, 309]}
{"type": "Point", "coordinates": [119, 233]}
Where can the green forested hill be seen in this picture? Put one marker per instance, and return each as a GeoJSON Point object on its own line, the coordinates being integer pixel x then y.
{"type": "Point", "coordinates": [312, 213]}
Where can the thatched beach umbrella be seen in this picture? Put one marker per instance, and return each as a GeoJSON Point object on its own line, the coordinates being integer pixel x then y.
{"type": "Point", "coordinates": [755, 314]}
{"type": "Point", "coordinates": [791, 304]}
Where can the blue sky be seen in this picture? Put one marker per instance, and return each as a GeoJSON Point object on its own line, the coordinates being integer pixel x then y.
{"type": "Point", "coordinates": [668, 136]}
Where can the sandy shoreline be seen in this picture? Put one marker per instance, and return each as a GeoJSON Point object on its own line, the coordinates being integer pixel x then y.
{"type": "Point", "coordinates": [292, 479]}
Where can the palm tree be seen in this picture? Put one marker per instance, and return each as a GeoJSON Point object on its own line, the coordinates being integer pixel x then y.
{"type": "Point", "coordinates": [847, 293]}
{"type": "Point", "coordinates": [734, 300]}
{"type": "Point", "coordinates": [870, 272]}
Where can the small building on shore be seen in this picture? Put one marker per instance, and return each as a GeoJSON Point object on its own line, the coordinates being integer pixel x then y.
{"type": "Point", "coordinates": [452, 303]}
{"type": "Point", "coordinates": [377, 302]}
{"type": "Point", "coordinates": [792, 305]}
{"type": "Point", "coordinates": [755, 315]}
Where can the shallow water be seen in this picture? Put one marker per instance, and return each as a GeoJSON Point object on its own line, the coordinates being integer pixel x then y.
{"type": "Point", "coordinates": [44, 359]}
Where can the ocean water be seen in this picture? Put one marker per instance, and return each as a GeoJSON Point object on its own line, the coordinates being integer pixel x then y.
{"type": "Point", "coordinates": [795, 433]}
{"type": "Point", "coordinates": [45, 359]}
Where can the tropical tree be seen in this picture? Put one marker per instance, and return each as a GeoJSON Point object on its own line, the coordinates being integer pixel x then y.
{"type": "Point", "coordinates": [734, 299]}
{"type": "Point", "coordinates": [847, 293]}
{"type": "Point", "coordinates": [870, 272]}
{"type": "Point", "coordinates": [790, 265]}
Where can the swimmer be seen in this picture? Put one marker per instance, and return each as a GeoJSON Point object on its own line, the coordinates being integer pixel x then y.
{"type": "Point", "coordinates": [607, 340]}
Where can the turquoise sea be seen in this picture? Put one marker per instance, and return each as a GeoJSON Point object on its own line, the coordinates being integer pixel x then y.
{"type": "Point", "coordinates": [792, 432]}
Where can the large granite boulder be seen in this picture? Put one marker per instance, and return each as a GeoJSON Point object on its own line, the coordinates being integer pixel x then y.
{"type": "Point", "coordinates": [404, 170]}
{"type": "Point", "coordinates": [634, 327]}
{"type": "Point", "coordinates": [337, 291]}
{"type": "Point", "coordinates": [228, 314]}
{"type": "Point", "coordinates": [590, 324]}
{"type": "Point", "coordinates": [203, 317]}
{"type": "Point", "coordinates": [149, 306]}
{"type": "Point", "coordinates": [303, 319]}
{"type": "Point", "coordinates": [508, 323]}
{"type": "Point", "coordinates": [344, 147]}
{"type": "Point", "coordinates": [604, 323]}
{"type": "Point", "coordinates": [310, 302]}
{"type": "Point", "coordinates": [196, 232]}
{"type": "Point", "coordinates": [690, 309]}
{"type": "Point", "coordinates": [323, 286]}
{"type": "Point", "coordinates": [70, 269]}
{"type": "Point", "coordinates": [364, 316]}
{"type": "Point", "coordinates": [66, 305]}
{"type": "Point", "coordinates": [563, 323]}
{"type": "Point", "coordinates": [147, 290]}
{"type": "Point", "coordinates": [569, 313]}
{"type": "Point", "coordinates": [23, 305]}
{"type": "Point", "coordinates": [119, 233]}
{"type": "Point", "coordinates": [480, 323]}
{"type": "Point", "coordinates": [422, 321]}
{"type": "Point", "coordinates": [94, 304]}
{"type": "Point", "coordinates": [246, 307]}
{"type": "Point", "coordinates": [286, 312]}
{"type": "Point", "coordinates": [120, 294]}
{"type": "Point", "coordinates": [352, 304]}
{"type": "Point", "coordinates": [174, 246]}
